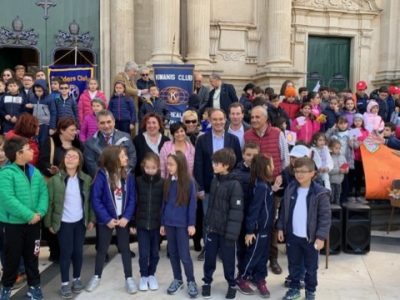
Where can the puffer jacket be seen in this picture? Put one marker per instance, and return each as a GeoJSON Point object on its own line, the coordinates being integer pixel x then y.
{"type": "Point", "coordinates": [33, 144]}
{"type": "Point", "coordinates": [57, 185]}
{"type": "Point", "coordinates": [20, 197]}
{"type": "Point", "coordinates": [149, 201]}
{"type": "Point", "coordinates": [318, 211]}
{"type": "Point", "coordinates": [373, 122]}
{"type": "Point", "coordinates": [85, 104]}
{"type": "Point", "coordinates": [103, 202]}
{"type": "Point", "coordinates": [261, 213]}
{"type": "Point", "coordinates": [123, 108]}
{"type": "Point", "coordinates": [225, 208]}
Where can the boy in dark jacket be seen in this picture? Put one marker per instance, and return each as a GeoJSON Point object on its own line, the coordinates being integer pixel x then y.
{"type": "Point", "coordinates": [304, 222]}
{"type": "Point", "coordinates": [11, 106]}
{"type": "Point", "coordinates": [154, 104]}
{"type": "Point", "coordinates": [223, 221]}
{"type": "Point", "coordinates": [389, 136]}
{"type": "Point", "coordinates": [332, 112]}
{"type": "Point", "coordinates": [65, 104]}
{"type": "Point", "coordinates": [43, 108]}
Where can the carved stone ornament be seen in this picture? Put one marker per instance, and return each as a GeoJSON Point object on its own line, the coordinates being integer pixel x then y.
{"type": "Point", "coordinates": [17, 35]}
{"type": "Point", "coordinates": [360, 5]}
{"type": "Point", "coordinates": [73, 38]}
{"type": "Point", "coordinates": [231, 56]}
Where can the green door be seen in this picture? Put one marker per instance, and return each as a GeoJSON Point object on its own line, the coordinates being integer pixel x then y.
{"type": "Point", "coordinates": [328, 62]}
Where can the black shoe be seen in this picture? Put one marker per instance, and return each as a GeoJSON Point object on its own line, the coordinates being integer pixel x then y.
{"type": "Point", "coordinates": [206, 291]}
{"type": "Point", "coordinates": [231, 293]}
{"type": "Point", "coordinates": [275, 267]}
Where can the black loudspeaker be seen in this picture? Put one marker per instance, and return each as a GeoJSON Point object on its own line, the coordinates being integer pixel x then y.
{"type": "Point", "coordinates": [335, 233]}
{"type": "Point", "coordinates": [357, 228]}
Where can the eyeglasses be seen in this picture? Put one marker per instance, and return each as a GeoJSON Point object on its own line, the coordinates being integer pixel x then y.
{"type": "Point", "coordinates": [190, 121]}
{"type": "Point", "coordinates": [64, 88]}
{"type": "Point", "coordinates": [145, 75]}
{"type": "Point", "coordinates": [71, 156]}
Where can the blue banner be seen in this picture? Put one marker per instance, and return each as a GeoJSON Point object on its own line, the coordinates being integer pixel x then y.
{"type": "Point", "coordinates": [75, 76]}
{"type": "Point", "coordinates": [175, 83]}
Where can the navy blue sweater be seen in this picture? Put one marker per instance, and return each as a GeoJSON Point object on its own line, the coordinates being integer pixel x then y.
{"type": "Point", "coordinates": [260, 215]}
{"type": "Point", "coordinates": [179, 215]}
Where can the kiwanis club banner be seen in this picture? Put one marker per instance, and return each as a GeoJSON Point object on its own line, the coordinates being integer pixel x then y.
{"type": "Point", "coordinates": [175, 83]}
{"type": "Point", "coordinates": [76, 76]}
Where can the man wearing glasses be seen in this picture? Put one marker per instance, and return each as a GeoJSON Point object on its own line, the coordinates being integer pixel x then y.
{"type": "Point", "coordinates": [144, 82]}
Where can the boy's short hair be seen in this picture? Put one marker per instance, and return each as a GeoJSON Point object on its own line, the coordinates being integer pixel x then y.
{"type": "Point", "coordinates": [13, 145]}
{"type": "Point", "coordinates": [226, 157]}
{"type": "Point", "coordinates": [258, 90]}
{"type": "Point", "coordinates": [28, 75]}
{"type": "Point", "coordinates": [151, 85]}
{"type": "Point", "coordinates": [12, 81]}
{"type": "Point", "coordinates": [274, 97]}
{"type": "Point", "coordinates": [304, 162]}
{"type": "Point", "coordinates": [303, 89]}
{"type": "Point", "coordinates": [391, 126]}
{"type": "Point", "coordinates": [56, 79]}
{"type": "Point", "coordinates": [251, 145]}
{"type": "Point", "coordinates": [341, 119]}
{"type": "Point", "coordinates": [64, 83]}
{"type": "Point", "coordinates": [98, 101]}
{"type": "Point", "coordinates": [333, 143]}
{"type": "Point", "coordinates": [259, 101]}
{"type": "Point", "coordinates": [19, 67]}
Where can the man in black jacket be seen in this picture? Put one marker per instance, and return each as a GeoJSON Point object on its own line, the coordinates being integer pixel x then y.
{"type": "Point", "coordinates": [223, 221]}
{"type": "Point", "coordinates": [222, 94]}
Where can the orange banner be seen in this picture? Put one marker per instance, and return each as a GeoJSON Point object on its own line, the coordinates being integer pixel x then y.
{"type": "Point", "coordinates": [381, 167]}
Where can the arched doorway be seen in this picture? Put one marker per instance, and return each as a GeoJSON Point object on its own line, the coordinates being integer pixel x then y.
{"type": "Point", "coordinates": [12, 56]}
{"type": "Point", "coordinates": [66, 56]}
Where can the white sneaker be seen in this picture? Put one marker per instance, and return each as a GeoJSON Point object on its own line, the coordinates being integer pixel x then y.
{"type": "Point", "coordinates": [143, 284]}
{"type": "Point", "coordinates": [130, 285]}
{"type": "Point", "coordinates": [93, 283]}
{"type": "Point", "coordinates": [153, 284]}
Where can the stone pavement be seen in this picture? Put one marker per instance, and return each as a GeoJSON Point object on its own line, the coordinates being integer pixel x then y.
{"type": "Point", "coordinates": [371, 276]}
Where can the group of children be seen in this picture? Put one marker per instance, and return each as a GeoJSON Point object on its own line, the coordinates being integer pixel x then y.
{"type": "Point", "coordinates": [241, 216]}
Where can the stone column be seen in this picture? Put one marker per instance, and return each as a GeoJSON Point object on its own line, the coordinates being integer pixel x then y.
{"type": "Point", "coordinates": [198, 19]}
{"type": "Point", "coordinates": [166, 31]}
{"type": "Point", "coordinates": [122, 34]}
{"type": "Point", "coordinates": [105, 53]}
{"type": "Point", "coordinates": [279, 18]}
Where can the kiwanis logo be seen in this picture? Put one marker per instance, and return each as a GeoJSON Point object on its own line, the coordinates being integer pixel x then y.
{"type": "Point", "coordinates": [74, 91]}
{"type": "Point", "coordinates": [174, 95]}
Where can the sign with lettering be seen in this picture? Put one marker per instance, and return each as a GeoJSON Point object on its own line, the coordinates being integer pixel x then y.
{"type": "Point", "coordinates": [175, 83]}
{"type": "Point", "coordinates": [75, 76]}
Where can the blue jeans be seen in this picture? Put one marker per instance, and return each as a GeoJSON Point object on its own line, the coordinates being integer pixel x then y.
{"type": "Point", "coordinates": [178, 249]}
{"type": "Point", "coordinates": [149, 243]}
{"type": "Point", "coordinates": [299, 252]}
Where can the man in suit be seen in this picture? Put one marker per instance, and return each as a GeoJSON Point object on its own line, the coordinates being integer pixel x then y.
{"type": "Point", "coordinates": [206, 145]}
{"type": "Point", "coordinates": [236, 125]}
{"type": "Point", "coordinates": [222, 94]}
{"type": "Point", "coordinates": [201, 91]}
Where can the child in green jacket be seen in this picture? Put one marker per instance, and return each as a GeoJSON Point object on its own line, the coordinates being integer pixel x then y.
{"type": "Point", "coordinates": [23, 203]}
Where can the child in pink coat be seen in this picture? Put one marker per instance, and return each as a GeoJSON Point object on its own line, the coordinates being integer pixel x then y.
{"type": "Point", "coordinates": [84, 104]}
{"type": "Point", "coordinates": [305, 125]}
{"type": "Point", "coordinates": [89, 125]}
{"type": "Point", "coordinates": [373, 121]}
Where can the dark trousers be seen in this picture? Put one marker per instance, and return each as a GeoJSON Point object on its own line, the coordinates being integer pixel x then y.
{"type": "Point", "coordinates": [241, 249]}
{"type": "Point", "coordinates": [356, 178]}
{"type": "Point", "coordinates": [336, 190]}
{"type": "Point", "coordinates": [43, 133]}
{"type": "Point", "coordinates": [273, 250]}
{"type": "Point", "coordinates": [21, 240]}
{"type": "Point", "coordinates": [300, 251]}
{"type": "Point", "coordinates": [199, 225]}
{"type": "Point", "coordinates": [123, 126]}
{"type": "Point", "coordinates": [104, 236]}
{"type": "Point", "coordinates": [178, 249]}
{"type": "Point", "coordinates": [71, 237]}
{"type": "Point", "coordinates": [149, 244]}
{"type": "Point", "coordinates": [52, 242]}
{"type": "Point", "coordinates": [256, 257]}
{"type": "Point", "coordinates": [345, 189]}
{"type": "Point", "coordinates": [216, 243]}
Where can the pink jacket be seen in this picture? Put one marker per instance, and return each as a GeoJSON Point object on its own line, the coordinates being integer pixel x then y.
{"type": "Point", "coordinates": [88, 127]}
{"type": "Point", "coordinates": [373, 122]}
{"type": "Point", "coordinates": [360, 139]}
{"type": "Point", "coordinates": [84, 104]}
{"type": "Point", "coordinates": [169, 148]}
{"type": "Point", "coordinates": [306, 132]}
